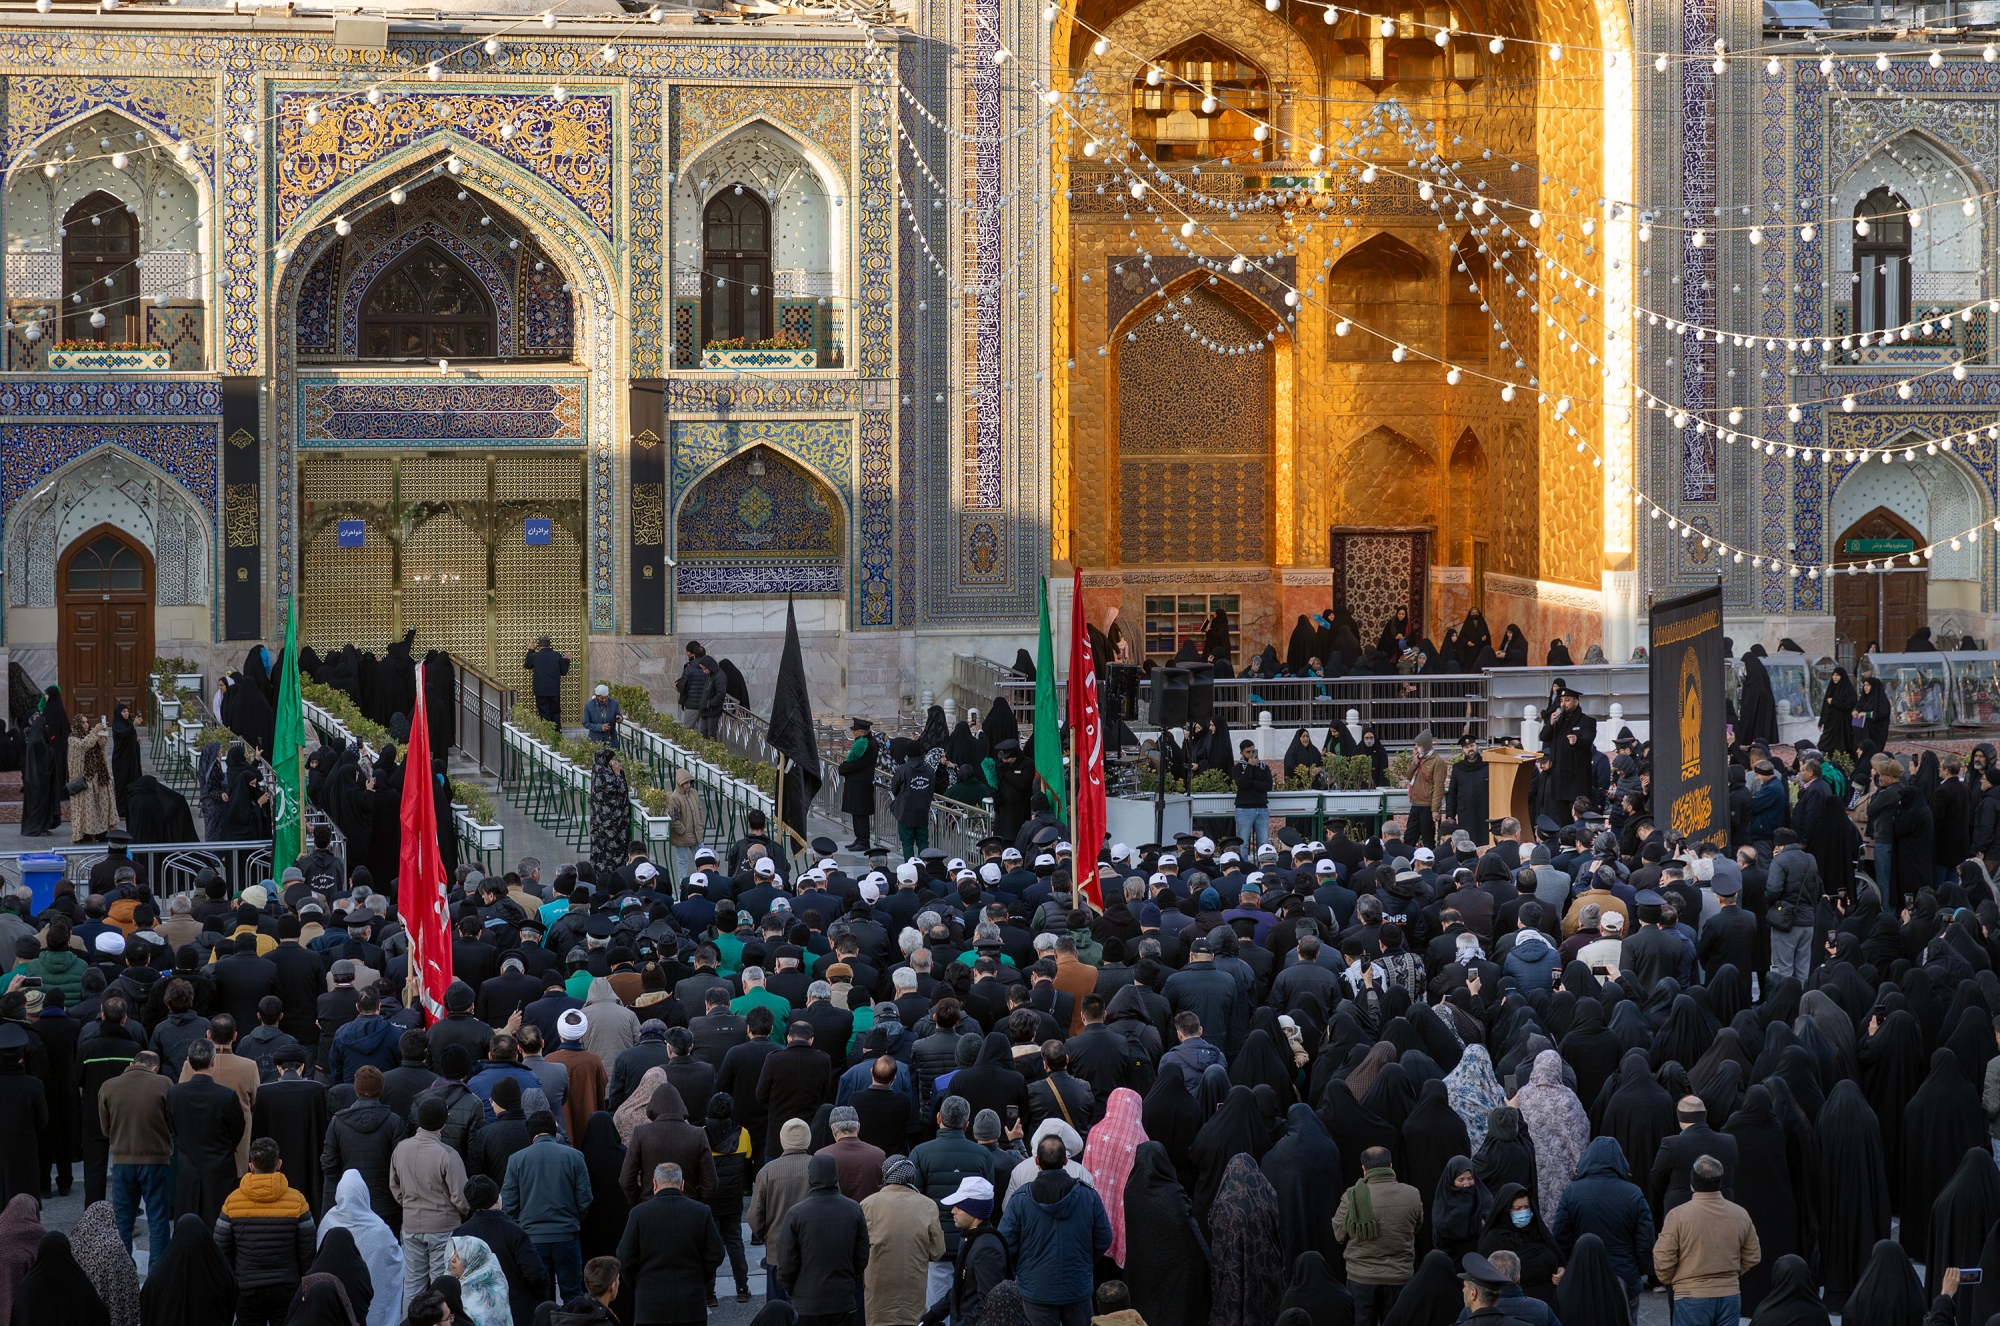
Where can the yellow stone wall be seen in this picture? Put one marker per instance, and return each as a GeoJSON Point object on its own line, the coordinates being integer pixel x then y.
{"type": "Point", "coordinates": [1370, 443]}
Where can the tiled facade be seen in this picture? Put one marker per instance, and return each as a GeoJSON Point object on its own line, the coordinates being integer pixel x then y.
{"type": "Point", "coordinates": [578, 273]}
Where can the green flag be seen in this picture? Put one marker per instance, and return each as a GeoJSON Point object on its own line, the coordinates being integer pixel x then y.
{"type": "Point", "coordinates": [1048, 721]}
{"type": "Point", "coordinates": [288, 754]}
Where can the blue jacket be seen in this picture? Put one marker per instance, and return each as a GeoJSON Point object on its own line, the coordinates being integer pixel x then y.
{"type": "Point", "coordinates": [1055, 1228]}
{"type": "Point", "coordinates": [1602, 1200]}
{"type": "Point", "coordinates": [364, 1041]}
{"type": "Point", "coordinates": [1767, 808]}
{"type": "Point", "coordinates": [1532, 962]}
{"type": "Point", "coordinates": [490, 1072]}
{"type": "Point", "coordinates": [547, 1190]}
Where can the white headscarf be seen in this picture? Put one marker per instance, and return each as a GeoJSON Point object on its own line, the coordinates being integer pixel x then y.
{"type": "Point", "coordinates": [482, 1285]}
{"type": "Point", "coordinates": [377, 1246]}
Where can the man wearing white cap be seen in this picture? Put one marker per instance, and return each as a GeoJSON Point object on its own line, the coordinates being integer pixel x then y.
{"type": "Point", "coordinates": [588, 1082]}
{"type": "Point", "coordinates": [600, 716]}
{"type": "Point", "coordinates": [981, 1261]}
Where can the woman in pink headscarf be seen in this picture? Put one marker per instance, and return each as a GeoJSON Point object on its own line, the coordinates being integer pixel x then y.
{"type": "Point", "coordinates": [1107, 1157]}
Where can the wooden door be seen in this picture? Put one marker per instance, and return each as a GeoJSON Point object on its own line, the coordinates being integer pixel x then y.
{"type": "Point", "coordinates": [105, 621]}
{"type": "Point", "coordinates": [1890, 600]}
{"type": "Point", "coordinates": [1905, 605]}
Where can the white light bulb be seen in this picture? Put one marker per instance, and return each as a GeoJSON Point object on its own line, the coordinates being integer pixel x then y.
{"type": "Point", "coordinates": [1659, 64]}
{"type": "Point", "coordinates": [1882, 63]}
{"type": "Point", "coordinates": [454, 165]}
{"type": "Point", "coordinates": [1291, 299]}
{"type": "Point", "coordinates": [1090, 148]}
{"type": "Point", "coordinates": [374, 96]}
{"type": "Point", "coordinates": [493, 46]}
{"type": "Point", "coordinates": [549, 19]}
{"type": "Point", "coordinates": [1916, 220]}
{"type": "Point", "coordinates": [1756, 235]}
{"type": "Point", "coordinates": [312, 115]}
{"type": "Point", "coordinates": [559, 94]}
{"type": "Point", "coordinates": [1773, 68]}
{"type": "Point", "coordinates": [1426, 192]}
{"type": "Point", "coordinates": [1237, 265]}
{"type": "Point", "coordinates": [1589, 226]}
{"type": "Point", "coordinates": [1793, 414]}
{"type": "Point", "coordinates": [1443, 37]}
{"type": "Point", "coordinates": [1507, 393]}
{"type": "Point", "coordinates": [1496, 46]}
{"type": "Point", "coordinates": [1342, 328]}
{"type": "Point", "coordinates": [1826, 67]}
{"type": "Point", "coordinates": [1208, 105]}
{"type": "Point", "coordinates": [1000, 55]}
{"type": "Point", "coordinates": [1556, 51]}
{"type": "Point", "coordinates": [1317, 155]}
{"type": "Point", "coordinates": [1187, 230]}
{"type": "Point", "coordinates": [281, 253]}
{"type": "Point", "coordinates": [119, 160]}
{"type": "Point", "coordinates": [1153, 76]}
{"type": "Point", "coordinates": [1698, 239]}
{"type": "Point", "coordinates": [398, 197]}
{"type": "Point", "coordinates": [1138, 188]}
{"type": "Point", "coordinates": [1049, 14]}
{"type": "Point", "coordinates": [609, 55]}
{"type": "Point", "coordinates": [433, 72]}
{"type": "Point", "coordinates": [1479, 207]}
{"type": "Point", "coordinates": [1937, 60]}
{"type": "Point", "coordinates": [1399, 354]}
{"type": "Point", "coordinates": [1806, 233]}
{"type": "Point", "coordinates": [1388, 27]}
{"type": "Point", "coordinates": [1645, 233]}
{"type": "Point", "coordinates": [97, 319]}
{"type": "Point", "coordinates": [1958, 372]}
{"type": "Point", "coordinates": [1100, 47]}
{"type": "Point", "coordinates": [342, 227]}
{"type": "Point", "coordinates": [1260, 133]}
{"type": "Point", "coordinates": [1719, 65]}
{"type": "Point", "coordinates": [1454, 377]}
{"type": "Point", "coordinates": [1535, 220]}
{"type": "Point", "coordinates": [248, 133]}
{"type": "Point", "coordinates": [1052, 97]}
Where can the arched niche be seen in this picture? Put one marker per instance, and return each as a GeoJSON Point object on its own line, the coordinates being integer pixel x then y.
{"type": "Point", "coordinates": [803, 197]}
{"type": "Point", "coordinates": [759, 522]}
{"type": "Point", "coordinates": [1201, 436]}
{"type": "Point", "coordinates": [1388, 292]}
{"type": "Point", "coordinates": [167, 202]}
{"type": "Point", "coordinates": [427, 305]}
{"type": "Point", "coordinates": [1390, 478]}
{"type": "Point", "coordinates": [1168, 117]}
{"type": "Point", "coordinates": [1936, 496]}
{"type": "Point", "coordinates": [1909, 175]}
{"type": "Point", "coordinates": [1161, 27]}
{"type": "Point", "coordinates": [1467, 501]}
{"type": "Point", "coordinates": [110, 487]}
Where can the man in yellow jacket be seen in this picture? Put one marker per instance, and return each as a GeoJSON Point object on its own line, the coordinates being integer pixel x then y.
{"type": "Point", "coordinates": [266, 1234]}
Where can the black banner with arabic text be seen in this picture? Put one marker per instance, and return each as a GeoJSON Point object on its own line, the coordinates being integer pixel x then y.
{"type": "Point", "coordinates": [1690, 747]}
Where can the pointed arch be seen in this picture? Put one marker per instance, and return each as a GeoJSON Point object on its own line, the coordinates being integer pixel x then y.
{"type": "Point", "coordinates": [1466, 503]}
{"type": "Point", "coordinates": [1387, 290]}
{"type": "Point", "coordinates": [111, 482]}
{"type": "Point", "coordinates": [1253, 415]}
{"type": "Point", "coordinates": [1385, 470]}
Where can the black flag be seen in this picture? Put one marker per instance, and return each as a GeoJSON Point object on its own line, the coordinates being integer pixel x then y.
{"type": "Point", "coordinates": [791, 731]}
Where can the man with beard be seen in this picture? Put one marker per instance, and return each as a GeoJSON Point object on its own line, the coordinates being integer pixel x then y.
{"type": "Point", "coordinates": [1570, 738]}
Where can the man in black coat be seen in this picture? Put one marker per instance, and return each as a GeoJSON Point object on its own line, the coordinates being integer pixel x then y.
{"type": "Point", "coordinates": [669, 1252]}
{"type": "Point", "coordinates": [1729, 936]}
{"type": "Point", "coordinates": [883, 1111]}
{"type": "Point", "coordinates": [527, 1277]}
{"type": "Point", "coordinates": [1016, 789]}
{"type": "Point", "coordinates": [104, 1048]}
{"type": "Point", "coordinates": [301, 981]}
{"type": "Point", "coordinates": [362, 1138]}
{"type": "Point", "coordinates": [820, 1248]}
{"type": "Point", "coordinates": [1673, 1167]}
{"type": "Point", "coordinates": [458, 1026]}
{"type": "Point", "coordinates": [293, 1112]}
{"type": "Point", "coordinates": [207, 1121]}
{"type": "Point", "coordinates": [793, 1084]}
{"type": "Point", "coordinates": [241, 979]}
{"type": "Point", "coordinates": [549, 668]}
{"type": "Point", "coordinates": [740, 1072]}
{"type": "Point", "coordinates": [1570, 738]}
{"type": "Point", "coordinates": [857, 786]}
{"type": "Point", "coordinates": [832, 1026]}
{"type": "Point", "coordinates": [1650, 953]}
{"type": "Point", "coordinates": [717, 1031]}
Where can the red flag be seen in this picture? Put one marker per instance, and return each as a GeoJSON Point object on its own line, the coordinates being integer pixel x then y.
{"type": "Point", "coordinates": [1086, 742]}
{"type": "Point", "coordinates": [420, 881]}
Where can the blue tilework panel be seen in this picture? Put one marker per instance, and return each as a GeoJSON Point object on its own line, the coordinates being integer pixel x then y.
{"type": "Point", "coordinates": [188, 452]}
{"type": "Point", "coordinates": [396, 414]}
{"type": "Point", "coordinates": [1698, 193]}
{"type": "Point", "coordinates": [784, 514]}
{"type": "Point", "coordinates": [59, 399]}
{"type": "Point", "coordinates": [824, 445]}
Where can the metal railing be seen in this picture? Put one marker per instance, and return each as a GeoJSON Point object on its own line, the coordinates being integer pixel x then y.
{"type": "Point", "coordinates": [483, 706]}
{"type": "Point", "coordinates": [1395, 708]}
{"type": "Point", "coordinates": [169, 867]}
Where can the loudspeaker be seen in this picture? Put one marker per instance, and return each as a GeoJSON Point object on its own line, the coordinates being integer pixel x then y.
{"type": "Point", "coordinates": [1122, 687]}
{"type": "Point", "coordinates": [1201, 692]}
{"type": "Point", "coordinates": [1168, 704]}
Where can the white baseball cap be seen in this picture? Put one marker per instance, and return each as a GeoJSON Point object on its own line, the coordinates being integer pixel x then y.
{"type": "Point", "coordinates": [870, 892]}
{"type": "Point", "coordinates": [1267, 852]}
{"type": "Point", "coordinates": [704, 854]}
{"type": "Point", "coordinates": [602, 689]}
{"type": "Point", "coordinates": [1170, 860]}
{"type": "Point", "coordinates": [698, 880]}
{"type": "Point", "coordinates": [990, 873]}
{"type": "Point", "coordinates": [1325, 866]}
{"type": "Point", "coordinates": [766, 866]}
{"type": "Point", "coordinates": [1062, 847]}
{"type": "Point", "coordinates": [875, 877]}
{"type": "Point", "coordinates": [1229, 859]}
{"type": "Point", "coordinates": [1424, 854]}
{"type": "Point", "coordinates": [1011, 854]}
{"type": "Point", "coordinates": [1119, 851]}
{"type": "Point", "coordinates": [1203, 846]}
{"type": "Point", "coordinates": [1044, 860]}
{"type": "Point", "coordinates": [645, 870]}
{"type": "Point", "coordinates": [956, 864]}
{"type": "Point", "coordinates": [907, 873]}
{"type": "Point", "coordinates": [1255, 877]}
{"type": "Point", "coordinates": [971, 1188]}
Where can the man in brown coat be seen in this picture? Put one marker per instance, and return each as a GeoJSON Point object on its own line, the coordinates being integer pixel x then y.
{"type": "Point", "coordinates": [669, 1138]}
{"type": "Point", "coordinates": [1706, 1244]}
{"type": "Point", "coordinates": [588, 1082]}
{"type": "Point", "coordinates": [1427, 782]}
{"type": "Point", "coordinates": [903, 1240]}
{"type": "Point", "coordinates": [132, 1115]}
{"type": "Point", "coordinates": [860, 1163]}
{"type": "Point", "coordinates": [1378, 1219]}
{"type": "Point", "coordinates": [1074, 977]}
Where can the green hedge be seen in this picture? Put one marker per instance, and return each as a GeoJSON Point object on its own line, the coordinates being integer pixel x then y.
{"type": "Point", "coordinates": [637, 705]}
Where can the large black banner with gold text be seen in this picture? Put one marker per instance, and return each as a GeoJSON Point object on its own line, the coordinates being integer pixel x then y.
{"type": "Point", "coordinates": [242, 512]}
{"type": "Point", "coordinates": [1690, 777]}
{"type": "Point", "coordinates": [648, 523]}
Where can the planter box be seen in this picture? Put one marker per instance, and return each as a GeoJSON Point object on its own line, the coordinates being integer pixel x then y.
{"type": "Point", "coordinates": [189, 731]}
{"type": "Point", "coordinates": [658, 827]}
{"type": "Point", "coordinates": [170, 710]}
{"type": "Point", "coordinates": [487, 837]}
{"type": "Point", "coordinates": [110, 361]}
{"type": "Point", "coordinates": [188, 681]}
{"type": "Point", "coordinates": [757, 359]}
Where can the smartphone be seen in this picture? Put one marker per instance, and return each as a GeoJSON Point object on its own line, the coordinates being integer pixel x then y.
{"type": "Point", "coordinates": [1969, 1275]}
{"type": "Point", "coordinates": [31, 982]}
{"type": "Point", "coordinates": [1013, 1115]}
{"type": "Point", "coordinates": [1513, 1083]}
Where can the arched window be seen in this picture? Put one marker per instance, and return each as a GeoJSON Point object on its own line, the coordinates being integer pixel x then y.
{"type": "Point", "coordinates": [736, 268]}
{"type": "Point", "coordinates": [1882, 262]}
{"type": "Point", "coordinates": [101, 241]}
{"type": "Point", "coordinates": [427, 307]}
{"type": "Point", "coordinates": [1169, 118]}
{"type": "Point", "coordinates": [107, 564]}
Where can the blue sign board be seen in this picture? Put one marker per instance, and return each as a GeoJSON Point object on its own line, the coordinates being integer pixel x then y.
{"type": "Point", "coordinates": [537, 532]}
{"type": "Point", "coordinates": [351, 533]}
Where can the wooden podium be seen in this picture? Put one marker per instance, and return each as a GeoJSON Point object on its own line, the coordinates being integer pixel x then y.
{"type": "Point", "coordinates": [1509, 772]}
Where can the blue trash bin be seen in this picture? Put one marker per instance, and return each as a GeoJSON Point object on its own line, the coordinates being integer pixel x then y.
{"type": "Point", "coordinates": [41, 872]}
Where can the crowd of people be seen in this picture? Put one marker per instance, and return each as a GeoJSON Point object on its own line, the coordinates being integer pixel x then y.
{"type": "Point", "coordinates": [1446, 1068]}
